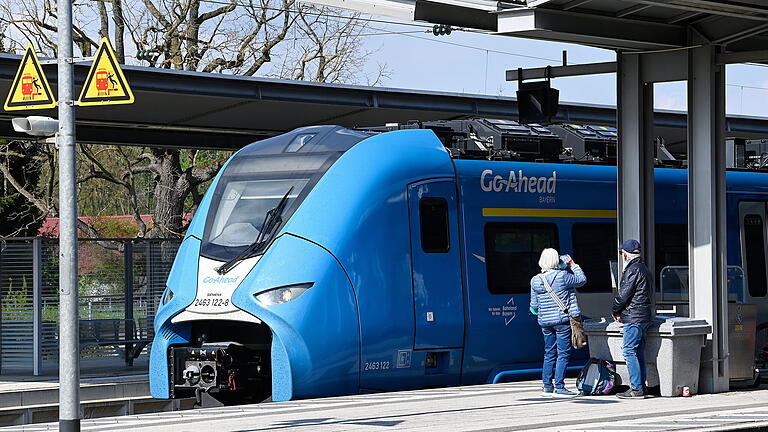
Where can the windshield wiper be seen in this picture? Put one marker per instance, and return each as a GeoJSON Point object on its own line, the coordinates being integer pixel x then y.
{"type": "Point", "coordinates": [272, 220]}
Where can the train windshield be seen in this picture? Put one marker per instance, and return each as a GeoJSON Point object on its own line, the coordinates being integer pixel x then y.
{"type": "Point", "coordinates": [259, 176]}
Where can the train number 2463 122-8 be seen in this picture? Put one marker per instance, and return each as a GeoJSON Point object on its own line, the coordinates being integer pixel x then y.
{"type": "Point", "coordinates": [214, 302]}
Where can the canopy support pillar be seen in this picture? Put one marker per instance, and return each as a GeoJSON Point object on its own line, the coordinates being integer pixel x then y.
{"type": "Point", "coordinates": [706, 211]}
{"type": "Point", "coordinates": [635, 204]}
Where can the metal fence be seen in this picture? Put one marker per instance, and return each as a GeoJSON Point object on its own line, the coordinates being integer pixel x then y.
{"type": "Point", "coordinates": [120, 284]}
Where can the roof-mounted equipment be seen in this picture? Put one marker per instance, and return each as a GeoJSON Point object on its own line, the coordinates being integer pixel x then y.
{"type": "Point", "coordinates": [588, 143]}
{"type": "Point", "coordinates": [492, 139]}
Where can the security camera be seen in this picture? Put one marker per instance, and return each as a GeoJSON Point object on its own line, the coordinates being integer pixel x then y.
{"type": "Point", "coordinates": [36, 125]}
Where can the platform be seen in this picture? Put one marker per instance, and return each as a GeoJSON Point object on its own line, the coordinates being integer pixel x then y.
{"type": "Point", "coordinates": [497, 407]}
{"type": "Point", "coordinates": [29, 399]}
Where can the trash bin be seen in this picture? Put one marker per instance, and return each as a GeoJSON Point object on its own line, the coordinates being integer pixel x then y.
{"type": "Point", "coordinates": [672, 351]}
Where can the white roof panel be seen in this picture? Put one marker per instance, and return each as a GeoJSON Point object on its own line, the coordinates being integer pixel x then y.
{"type": "Point", "coordinates": [640, 24]}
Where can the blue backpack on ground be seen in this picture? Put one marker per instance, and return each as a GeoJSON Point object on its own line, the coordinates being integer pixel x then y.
{"type": "Point", "coordinates": [597, 377]}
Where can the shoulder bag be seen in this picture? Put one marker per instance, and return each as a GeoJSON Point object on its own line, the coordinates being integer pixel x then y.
{"type": "Point", "coordinates": [578, 337]}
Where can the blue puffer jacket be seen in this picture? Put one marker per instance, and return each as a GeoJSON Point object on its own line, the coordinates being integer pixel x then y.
{"type": "Point", "coordinates": [563, 283]}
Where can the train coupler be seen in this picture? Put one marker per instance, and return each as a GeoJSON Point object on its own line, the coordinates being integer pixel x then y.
{"type": "Point", "coordinates": [219, 369]}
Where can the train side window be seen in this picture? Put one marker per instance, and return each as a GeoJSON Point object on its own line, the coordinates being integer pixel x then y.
{"type": "Point", "coordinates": [512, 252]}
{"type": "Point", "coordinates": [594, 246]}
{"type": "Point", "coordinates": [754, 242]}
{"type": "Point", "coordinates": [671, 247]}
{"type": "Point", "coordinates": [433, 215]}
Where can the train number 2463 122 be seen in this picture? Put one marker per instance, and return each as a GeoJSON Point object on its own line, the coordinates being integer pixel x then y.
{"type": "Point", "coordinates": [377, 365]}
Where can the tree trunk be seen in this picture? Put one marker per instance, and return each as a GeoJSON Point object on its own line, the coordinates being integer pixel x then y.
{"type": "Point", "coordinates": [117, 17]}
{"type": "Point", "coordinates": [171, 189]}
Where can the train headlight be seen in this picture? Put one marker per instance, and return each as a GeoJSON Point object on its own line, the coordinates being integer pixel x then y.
{"type": "Point", "coordinates": [167, 296]}
{"type": "Point", "coordinates": [283, 294]}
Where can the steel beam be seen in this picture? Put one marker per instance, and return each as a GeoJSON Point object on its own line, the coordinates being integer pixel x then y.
{"type": "Point", "coordinates": [742, 57]}
{"type": "Point", "coordinates": [457, 13]}
{"type": "Point", "coordinates": [561, 71]}
{"type": "Point", "coordinates": [741, 35]}
{"type": "Point", "coordinates": [664, 66]}
{"type": "Point", "coordinates": [689, 6]}
{"type": "Point", "coordinates": [590, 29]}
{"type": "Point", "coordinates": [574, 4]}
{"type": "Point", "coordinates": [706, 211]}
{"type": "Point", "coordinates": [635, 194]}
{"type": "Point", "coordinates": [682, 17]}
{"type": "Point", "coordinates": [632, 9]}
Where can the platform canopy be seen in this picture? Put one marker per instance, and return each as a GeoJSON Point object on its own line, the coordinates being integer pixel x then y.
{"type": "Point", "coordinates": [740, 27]}
{"type": "Point", "coordinates": [205, 110]}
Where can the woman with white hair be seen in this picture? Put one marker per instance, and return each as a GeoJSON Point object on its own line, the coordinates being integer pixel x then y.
{"type": "Point", "coordinates": [555, 323]}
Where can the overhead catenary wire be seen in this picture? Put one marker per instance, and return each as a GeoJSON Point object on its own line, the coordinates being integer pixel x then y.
{"type": "Point", "coordinates": [436, 40]}
{"type": "Point", "coordinates": [385, 32]}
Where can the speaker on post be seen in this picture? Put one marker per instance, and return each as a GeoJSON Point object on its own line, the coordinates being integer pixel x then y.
{"type": "Point", "coordinates": [537, 102]}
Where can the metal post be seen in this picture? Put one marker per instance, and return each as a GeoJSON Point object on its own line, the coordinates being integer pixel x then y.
{"type": "Point", "coordinates": [706, 211]}
{"type": "Point", "coordinates": [69, 350]}
{"type": "Point", "coordinates": [635, 197]}
{"type": "Point", "coordinates": [37, 306]}
{"type": "Point", "coordinates": [128, 282]}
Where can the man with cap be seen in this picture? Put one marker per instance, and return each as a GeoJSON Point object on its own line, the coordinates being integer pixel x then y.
{"type": "Point", "coordinates": [633, 308]}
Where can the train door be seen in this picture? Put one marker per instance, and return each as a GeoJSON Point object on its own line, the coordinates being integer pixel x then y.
{"type": "Point", "coordinates": [754, 260]}
{"type": "Point", "coordinates": [437, 286]}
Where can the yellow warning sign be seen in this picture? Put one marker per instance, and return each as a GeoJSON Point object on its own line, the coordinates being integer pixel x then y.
{"type": "Point", "coordinates": [30, 89]}
{"type": "Point", "coordinates": [105, 84]}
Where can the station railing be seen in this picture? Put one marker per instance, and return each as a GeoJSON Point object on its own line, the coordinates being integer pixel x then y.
{"type": "Point", "coordinates": [120, 282]}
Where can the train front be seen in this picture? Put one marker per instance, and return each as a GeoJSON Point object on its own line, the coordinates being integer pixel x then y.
{"type": "Point", "coordinates": [251, 312]}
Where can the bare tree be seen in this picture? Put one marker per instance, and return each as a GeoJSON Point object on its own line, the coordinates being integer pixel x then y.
{"type": "Point", "coordinates": [172, 183]}
{"type": "Point", "coordinates": [227, 36]}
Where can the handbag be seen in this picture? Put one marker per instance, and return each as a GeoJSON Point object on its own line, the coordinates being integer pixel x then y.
{"type": "Point", "coordinates": [578, 337]}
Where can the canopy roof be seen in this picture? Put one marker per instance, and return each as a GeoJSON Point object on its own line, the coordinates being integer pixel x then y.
{"type": "Point", "coordinates": [738, 25]}
{"type": "Point", "coordinates": [201, 110]}
{"type": "Point", "coordinates": [641, 24]}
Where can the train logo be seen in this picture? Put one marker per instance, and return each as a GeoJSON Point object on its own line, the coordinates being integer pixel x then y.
{"type": "Point", "coordinates": [518, 182]}
{"type": "Point", "coordinates": [105, 82]}
{"type": "Point", "coordinates": [30, 87]}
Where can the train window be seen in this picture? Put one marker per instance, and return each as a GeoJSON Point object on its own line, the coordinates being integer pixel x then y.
{"type": "Point", "coordinates": [671, 247]}
{"type": "Point", "coordinates": [242, 206]}
{"type": "Point", "coordinates": [754, 248]}
{"type": "Point", "coordinates": [512, 252]}
{"type": "Point", "coordinates": [594, 246]}
{"type": "Point", "coordinates": [433, 215]}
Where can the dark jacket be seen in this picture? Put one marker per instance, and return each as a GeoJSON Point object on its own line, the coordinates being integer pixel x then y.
{"type": "Point", "coordinates": [634, 301]}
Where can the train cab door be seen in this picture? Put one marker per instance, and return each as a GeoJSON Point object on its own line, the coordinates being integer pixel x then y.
{"type": "Point", "coordinates": [437, 284]}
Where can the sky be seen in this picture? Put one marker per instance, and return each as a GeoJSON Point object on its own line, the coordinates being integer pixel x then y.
{"type": "Point", "coordinates": [466, 62]}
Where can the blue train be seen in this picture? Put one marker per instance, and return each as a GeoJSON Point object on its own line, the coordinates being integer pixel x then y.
{"type": "Point", "coordinates": [329, 261]}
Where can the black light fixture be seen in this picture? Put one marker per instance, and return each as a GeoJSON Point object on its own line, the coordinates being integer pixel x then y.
{"type": "Point", "coordinates": [537, 101]}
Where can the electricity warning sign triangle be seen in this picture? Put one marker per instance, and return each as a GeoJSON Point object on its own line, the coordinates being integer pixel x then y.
{"type": "Point", "coordinates": [30, 89]}
{"type": "Point", "coordinates": [105, 83]}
